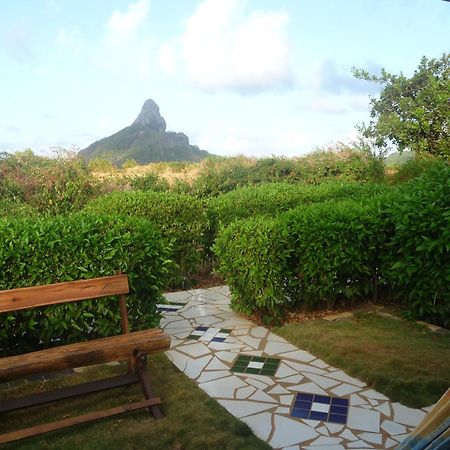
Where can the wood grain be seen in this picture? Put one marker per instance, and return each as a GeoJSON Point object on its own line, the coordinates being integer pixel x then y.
{"type": "Point", "coordinates": [71, 291]}
{"type": "Point", "coordinates": [114, 348]}
{"type": "Point", "coordinates": [45, 428]}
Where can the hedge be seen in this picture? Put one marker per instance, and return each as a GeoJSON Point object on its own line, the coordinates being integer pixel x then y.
{"type": "Point", "coordinates": [181, 218]}
{"type": "Point", "coordinates": [274, 198]}
{"type": "Point", "coordinates": [395, 244]}
{"type": "Point", "coordinates": [48, 250]}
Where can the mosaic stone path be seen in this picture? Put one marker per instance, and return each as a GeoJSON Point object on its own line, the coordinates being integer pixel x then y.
{"type": "Point", "coordinates": [288, 397]}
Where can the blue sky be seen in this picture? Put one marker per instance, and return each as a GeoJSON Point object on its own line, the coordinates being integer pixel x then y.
{"type": "Point", "coordinates": [254, 77]}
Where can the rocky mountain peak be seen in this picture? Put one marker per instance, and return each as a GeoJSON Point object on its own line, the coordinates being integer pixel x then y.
{"type": "Point", "coordinates": [150, 117]}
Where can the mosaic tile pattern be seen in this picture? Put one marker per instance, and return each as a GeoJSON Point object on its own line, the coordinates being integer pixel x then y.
{"type": "Point", "coordinates": [169, 307]}
{"type": "Point", "coordinates": [265, 402]}
{"type": "Point", "coordinates": [256, 365]}
{"type": "Point", "coordinates": [320, 407]}
{"type": "Point", "coordinates": [210, 334]}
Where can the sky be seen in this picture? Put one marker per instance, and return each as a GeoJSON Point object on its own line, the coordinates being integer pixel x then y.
{"type": "Point", "coordinates": [251, 77]}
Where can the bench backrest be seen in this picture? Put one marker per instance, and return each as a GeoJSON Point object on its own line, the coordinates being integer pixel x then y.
{"type": "Point", "coordinates": [71, 291]}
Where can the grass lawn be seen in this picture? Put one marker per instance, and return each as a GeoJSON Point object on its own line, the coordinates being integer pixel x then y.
{"type": "Point", "coordinates": [401, 359]}
{"type": "Point", "coordinates": [192, 419]}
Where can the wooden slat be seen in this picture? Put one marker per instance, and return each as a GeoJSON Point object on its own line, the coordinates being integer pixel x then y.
{"type": "Point", "coordinates": [68, 392]}
{"type": "Point", "coordinates": [114, 348]}
{"type": "Point", "coordinates": [91, 417]}
{"type": "Point", "coordinates": [32, 297]}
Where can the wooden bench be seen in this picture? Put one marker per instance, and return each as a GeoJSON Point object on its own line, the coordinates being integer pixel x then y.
{"type": "Point", "coordinates": [128, 346]}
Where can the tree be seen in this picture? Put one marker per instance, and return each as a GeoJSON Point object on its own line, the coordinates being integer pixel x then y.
{"type": "Point", "coordinates": [412, 113]}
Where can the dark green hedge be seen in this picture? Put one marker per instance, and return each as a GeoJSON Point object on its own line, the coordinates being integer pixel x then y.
{"type": "Point", "coordinates": [274, 198]}
{"type": "Point", "coordinates": [181, 218]}
{"type": "Point", "coordinates": [417, 265]}
{"type": "Point", "coordinates": [394, 245]}
{"type": "Point", "coordinates": [47, 250]}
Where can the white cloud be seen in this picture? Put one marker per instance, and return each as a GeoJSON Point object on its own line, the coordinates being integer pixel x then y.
{"type": "Point", "coordinates": [292, 142]}
{"type": "Point", "coordinates": [123, 24]}
{"type": "Point", "coordinates": [224, 48]}
{"type": "Point", "coordinates": [167, 58]}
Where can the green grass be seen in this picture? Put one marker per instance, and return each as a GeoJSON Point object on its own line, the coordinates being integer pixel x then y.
{"type": "Point", "coordinates": [192, 419]}
{"type": "Point", "coordinates": [401, 359]}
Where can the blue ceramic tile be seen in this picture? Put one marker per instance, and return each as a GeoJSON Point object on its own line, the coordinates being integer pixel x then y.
{"type": "Point", "coordinates": [201, 328]}
{"type": "Point", "coordinates": [336, 409]}
{"type": "Point", "coordinates": [216, 339]}
{"type": "Point", "coordinates": [300, 413]}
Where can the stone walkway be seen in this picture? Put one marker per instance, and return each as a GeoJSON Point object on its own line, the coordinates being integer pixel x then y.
{"type": "Point", "coordinates": [288, 397]}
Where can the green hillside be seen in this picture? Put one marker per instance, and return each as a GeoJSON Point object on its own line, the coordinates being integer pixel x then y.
{"type": "Point", "coordinates": [145, 141]}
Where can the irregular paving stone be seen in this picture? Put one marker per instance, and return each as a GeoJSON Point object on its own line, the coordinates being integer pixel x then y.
{"type": "Point", "coordinates": [393, 427]}
{"type": "Point", "coordinates": [298, 355]}
{"type": "Point", "coordinates": [212, 375]}
{"type": "Point", "coordinates": [290, 432]}
{"type": "Point", "coordinates": [261, 396]}
{"type": "Point", "coordinates": [223, 387]}
{"type": "Point", "coordinates": [286, 399]}
{"type": "Point", "coordinates": [278, 389]}
{"type": "Point", "coordinates": [347, 434]}
{"type": "Point", "coordinates": [390, 443]}
{"type": "Point", "coordinates": [245, 392]}
{"type": "Point", "coordinates": [310, 388]}
{"type": "Point", "coordinates": [216, 364]}
{"type": "Point", "coordinates": [273, 348]}
{"type": "Point", "coordinates": [384, 408]}
{"type": "Point", "coordinates": [344, 389]}
{"type": "Point", "coordinates": [359, 444]}
{"type": "Point", "coordinates": [195, 366]}
{"type": "Point", "coordinates": [342, 376]}
{"type": "Point", "coordinates": [261, 424]}
{"type": "Point", "coordinates": [292, 379]}
{"type": "Point", "coordinates": [242, 408]}
{"type": "Point", "coordinates": [374, 438]}
{"type": "Point", "coordinates": [334, 427]}
{"type": "Point", "coordinates": [323, 430]}
{"type": "Point", "coordinates": [284, 371]}
{"type": "Point", "coordinates": [407, 416]}
{"type": "Point", "coordinates": [370, 393]}
{"type": "Point", "coordinates": [362, 419]}
{"type": "Point", "coordinates": [324, 440]}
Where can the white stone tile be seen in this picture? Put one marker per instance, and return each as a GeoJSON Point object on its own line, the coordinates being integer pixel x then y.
{"type": "Point", "coordinates": [324, 447]}
{"type": "Point", "coordinates": [320, 407]}
{"type": "Point", "coordinates": [273, 348]}
{"type": "Point", "coordinates": [207, 320]}
{"type": "Point", "coordinates": [344, 389]}
{"type": "Point", "coordinates": [251, 341]}
{"type": "Point", "coordinates": [282, 410]}
{"type": "Point", "coordinates": [286, 399]}
{"type": "Point", "coordinates": [253, 352]}
{"type": "Point", "coordinates": [284, 371]}
{"type": "Point", "coordinates": [216, 364]}
{"type": "Point", "coordinates": [292, 379]}
{"type": "Point", "coordinates": [212, 375]}
{"type": "Point", "coordinates": [225, 356]}
{"type": "Point", "coordinates": [274, 338]}
{"type": "Point", "coordinates": [298, 355]}
{"type": "Point", "coordinates": [259, 332]}
{"type": "Point", "coordinates": [178, 324]}
{"type": "Point", "coordinates": [373, 438]}
{"type": "Point", "coordinates": [356, 400]}
{"type": "Point", "coordinates": [370, 393]}
{"type": "Point", "coordinates": [384, 408]}
{"type": "Point", "coordinates": [393, 427]}
{"type": "Point", "coordinates": [240, 332]}
{"type": "Point", "coordinates": [320, 364]}
{"type": "Point", "coordinates": [342, 376]}
{"type": "Point", "coordinates": [195, 366]}
{"type": "Point", "coordinates": [390, 443]}
{"type": "Point", "coordinates": [364, 420]}
{"type": "Point", "coordinates": [261, 424]}
{"type": "Point", "coordinates": [290, 432]}
{"type": "Point", "coordinates": [359, 444]}
{"type": "Point", "coordinates": [347, 434]}
{"type": "Point", "coordinates": [407, 416]}
{"type": "Point", "coordinates": [334, 427]}
{"type": "Point", "coordinates": [256, 383]}
{"type": "Point", "coordinates": [278, 389]}
{"type": "Point", "coordinates": [194, 350]}
{"type": "Point", "coordinates": [400, 437]}
{"type": "Point", "coordinates": [310, 388]}
{"type": "Point", "coordinates": [326, 440]}
{"type": "Point", "coordinates": [223, 387]}
{"type": "Point", "coordinates": [178, 359]}
{"type": "Point", "coordinates": [323, 382]}
{"type": "Point", "coordinates": [304, 367]}
{"type": "Point", "coordinates": [242, 408]}
{"type": "Point", "coordinates": [255, 365]}
{"type": "Point", "coordinates": [263, 378]}
{"type": "Point", "coordinates": [224, 346]}
{"type": "Point", "coordinates": [311, 423]}
{"type": "Point", "coordinates": [373, 402]}
{"type": "Point", "coordinates": [323, 430]}
{"type": "Point", "coordinates": [261, 396]}
{"type": "Point", "coordinates": [245, 392]}
{"type": "Point", "coordinates": [178, 297]}
{"type": "Point", "coordinates": [291, 447]}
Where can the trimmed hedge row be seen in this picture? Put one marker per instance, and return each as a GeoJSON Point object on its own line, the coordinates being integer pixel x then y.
{"type": "Point", "coordinates": [274, 198]}
{"type": "Point", "coordinates": [394, 244]}
{"type": "Point", "coordinates": [47, 250]}
{"type": "Point", "coordinates": [181, 218]}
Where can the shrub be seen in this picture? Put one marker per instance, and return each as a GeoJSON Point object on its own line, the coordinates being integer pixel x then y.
{"type": "Point", "coordinates": [418, 263]}
{"type": "Point", "coordinates": [275, 198]}
{"type": "Point", "coordinates": [16, 208]}
{"type": "Point", "coordinates": [180, 217]}
{"type": "Point", "coordinates": [48, 250]}
{"type": "Point", "coordinates": [313, 256]}
{"type": "Point", "coordinates": [149, 182]}
{"type": "Point", "coordinates": [252, 258]}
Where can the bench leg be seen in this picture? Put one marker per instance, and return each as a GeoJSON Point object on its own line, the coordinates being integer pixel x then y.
{"type": "Point", "coordinates": [144, 378]}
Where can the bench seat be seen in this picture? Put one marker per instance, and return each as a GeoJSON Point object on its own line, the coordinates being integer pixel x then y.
{"type": "Point", "coordinates": [114, 348]}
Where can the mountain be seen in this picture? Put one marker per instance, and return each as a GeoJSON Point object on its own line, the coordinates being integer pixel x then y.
{"type": "Point", "coordinates": [397, 159]}
{"type": "Point", "coordinates": [145, 140]}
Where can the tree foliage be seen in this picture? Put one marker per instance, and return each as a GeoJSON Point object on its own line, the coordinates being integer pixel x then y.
{"type": "Point", "coordinates": [412, 113]}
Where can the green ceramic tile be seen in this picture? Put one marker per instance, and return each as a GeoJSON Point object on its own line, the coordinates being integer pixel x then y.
{"type": "Point", "coordinates": [253, 371]}
{"type": "Point", "coordinates": [258, 359]}
{"type": "Point", "coordinates": [268, 372]}
{"type": "Point", "coordinates": [238, 369]}
{"type": "Point", "coordinates": [193, 337]}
